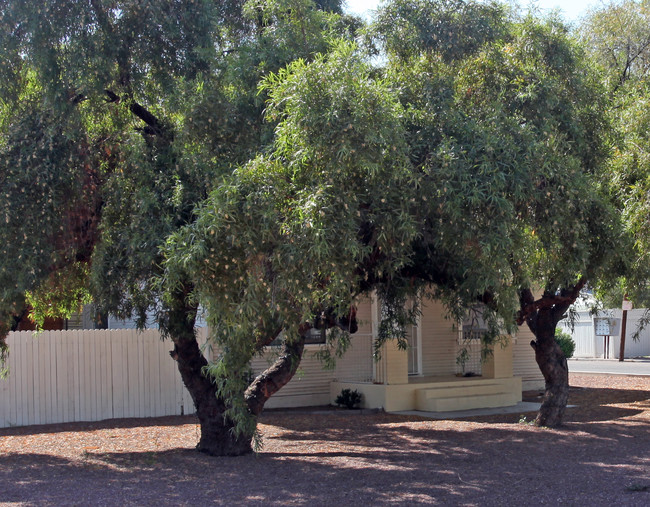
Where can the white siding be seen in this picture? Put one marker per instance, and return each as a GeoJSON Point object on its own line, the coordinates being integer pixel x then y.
{"type": "Point", "coordinates": [90, 375]}
{"type": "Point", "coordinates": [309, 386]}
{"type": "Point", "coordinates": [589, 345]}
{"type": "Point", "coordinates": [439, 340]}
{"type": "Point", "coordinates": [524, 364]}
{"type": "Point", "coordinates": [357, 363]}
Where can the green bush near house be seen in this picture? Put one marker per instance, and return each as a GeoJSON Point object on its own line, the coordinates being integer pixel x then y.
{"type": "Point", "coordinates": [565, 342]}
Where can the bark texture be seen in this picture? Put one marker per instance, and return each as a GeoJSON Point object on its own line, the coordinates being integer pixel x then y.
{"type": "Point", "coordinates": [271, 380]}
{"type": "Point", "coordinates": [542, 316]}
{"type": "Point", "coordinates": [553, 365]}
{"type": "Point", "coordinates": [216, 439]}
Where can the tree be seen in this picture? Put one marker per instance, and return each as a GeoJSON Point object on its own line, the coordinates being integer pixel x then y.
{"type": "Point", "coordinates": [617, 39]}
{"type": "Point", "coordinates": [549, 226]}
{"type": "Point", "coordinates": [466, 172]}
{"type": "Point", "coordinates": [117, 119]}
{"type": "Point", "coordinates": [284, 244]}
{"type": "Point", "coordinates": [518, 160]}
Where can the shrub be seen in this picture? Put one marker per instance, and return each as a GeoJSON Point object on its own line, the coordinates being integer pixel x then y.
{"type": "Point", "coordinates": [565, 342]}
{"type": "Point", "coordinates": [348, 398]}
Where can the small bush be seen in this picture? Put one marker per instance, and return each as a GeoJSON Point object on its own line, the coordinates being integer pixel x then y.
{"type": "Point", "coordinates": [349, 399]}
{"type": "Point", "coordinates": [565, 342]}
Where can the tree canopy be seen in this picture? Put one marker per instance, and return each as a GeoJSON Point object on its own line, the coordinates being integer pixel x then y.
{"type": "Point", "coordinates": [617, 40]}
{"type": "Point", "coordinates": [462, 164]}
{"type": "Point", "coordinates": [466, 173]}
{"type": "Point", "coordinates": [117, 119]}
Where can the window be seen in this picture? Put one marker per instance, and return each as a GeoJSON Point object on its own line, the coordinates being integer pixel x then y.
{"type": "Point", "coordinates": [313, 337]}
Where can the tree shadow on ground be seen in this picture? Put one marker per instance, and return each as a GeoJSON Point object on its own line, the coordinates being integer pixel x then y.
{"type": "Point", "coordinates": [348, 457]}
{"type": "Point", "coordinates": [586, 404]}
{"type": "Point", "coordinates": [134, 422]}
{"type": "Point", "coordinates": [370, 459]}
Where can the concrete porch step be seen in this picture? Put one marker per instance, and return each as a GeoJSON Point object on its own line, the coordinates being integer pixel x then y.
{"type": "Point", "coordinates": [460, 389]}
{"type": "Point", "coordinates": [468, 402]}
{"type": "Point", "coordinates": [468, 396]}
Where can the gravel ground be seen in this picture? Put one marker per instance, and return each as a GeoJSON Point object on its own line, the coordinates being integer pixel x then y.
{"type": "Point", "coordinates": [600, 457]}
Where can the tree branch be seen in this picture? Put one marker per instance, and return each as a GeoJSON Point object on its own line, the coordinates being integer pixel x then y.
{"type": "Point", "coordinates": [271, 380]}
{"type": "Point", "coordinates": [155, 126]}
{"type": "Point", "coordinates": [561, 301]}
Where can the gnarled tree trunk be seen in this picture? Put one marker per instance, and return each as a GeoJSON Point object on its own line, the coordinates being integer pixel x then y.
{"type": "Point", "coordinates": [216, 439]}
{"type": "Point", "coordinates": [276, 376]}
{"type": "Point", "coordinates": [271, 380]}
{"type": "Point", "coordinates": [553, 365]}
{"type": "Point", "coordinates": [542, 316]}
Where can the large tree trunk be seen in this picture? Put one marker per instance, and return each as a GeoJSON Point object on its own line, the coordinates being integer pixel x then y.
{"type": "Point", "coordinates": [217, 437]}
{"type": "Point", "coordinates": [542, 316]}
{"type": "Point", "coordinates": [553, 365]}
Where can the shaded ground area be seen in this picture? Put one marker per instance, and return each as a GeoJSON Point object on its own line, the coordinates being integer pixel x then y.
{"type": "Point", "coordinates": [601, 457]}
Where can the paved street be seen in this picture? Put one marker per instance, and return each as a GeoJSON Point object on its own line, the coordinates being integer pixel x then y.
{"type": "Point", "coordinates": [627, 367]}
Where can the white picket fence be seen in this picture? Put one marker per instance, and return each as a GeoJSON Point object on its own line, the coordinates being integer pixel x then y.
{"type": "Point", "coordinates": [90, 375]}
{"type": "Point", "coordinates": [588, 345]}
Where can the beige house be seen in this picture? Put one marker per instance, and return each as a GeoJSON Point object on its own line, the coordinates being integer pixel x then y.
{"type": "Point", "coordinates": [91, 374]}
{"type": "Point", "coordinates": [427, 376]}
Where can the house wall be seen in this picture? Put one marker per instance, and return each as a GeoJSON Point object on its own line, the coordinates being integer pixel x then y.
{"type": "Point", "coordinates": [524, 365]}
{"type": "Point", "coordinates": [440, 348]}
{"type": "Point", "coordinates": [439, 340]}
{"type": "Point", "coordinates": [311, 384]}
{"type": "Point", "coordinates": [357, 362]}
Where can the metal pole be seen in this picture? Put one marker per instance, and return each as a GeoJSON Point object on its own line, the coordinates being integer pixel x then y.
{"type": "Point", "coordinates": [621, 352]}
{"type": "Point", "coordinates": [627, 305]}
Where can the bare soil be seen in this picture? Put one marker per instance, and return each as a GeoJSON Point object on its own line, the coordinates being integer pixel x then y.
{"type": "Point", "coordinates": [601, 456]}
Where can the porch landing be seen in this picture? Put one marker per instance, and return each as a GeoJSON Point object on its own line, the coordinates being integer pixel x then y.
{"type": "Point", "coordinates": [436, 394]}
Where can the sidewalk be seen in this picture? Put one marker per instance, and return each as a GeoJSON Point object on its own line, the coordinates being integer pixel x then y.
{"type": "Point", "coordinates": [611, 366]}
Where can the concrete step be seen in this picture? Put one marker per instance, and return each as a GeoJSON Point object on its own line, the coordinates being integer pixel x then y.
{"type": "Point", "coordinates": [460, 389]}
{"type": "Point", "coordinates": [484, 393]}
{"type": "Point", "coordinates": [468, 402]}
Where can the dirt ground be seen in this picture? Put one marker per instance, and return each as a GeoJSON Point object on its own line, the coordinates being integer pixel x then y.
{"type": "Point", "coordinates": [600, 457]}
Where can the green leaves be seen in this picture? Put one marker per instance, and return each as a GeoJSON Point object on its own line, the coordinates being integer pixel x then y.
{"type": "Point", "coordinates": [459, 165]}
{"type": "Point", "coordinates": [449, 29]}
{"type": "Point", "coordinates": [62, 294]}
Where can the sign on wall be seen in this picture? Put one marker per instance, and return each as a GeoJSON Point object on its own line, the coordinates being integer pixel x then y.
{"type": "Point", "coordinates": [607, 326]}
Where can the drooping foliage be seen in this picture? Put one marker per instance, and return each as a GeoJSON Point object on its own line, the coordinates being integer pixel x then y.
{"type": "Point", "coordinates": [508, 137]}
{"type": "Point", "coordinates": [461, 172]}
{"type": "Point", "coordinates": [138, 109]}
{"type": "Point", "coordinates": [49, 202]}
{"type": "Point", "coordinates": [617, 38]}
{"type": "Point", "coordinates": [518, 153]}
{"type": "Point", "coordinates": [150, 101]}
{"type": "Point", "coordinates": [283, 242]}
{"type": "Point", "coordinates": [460, 165]}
